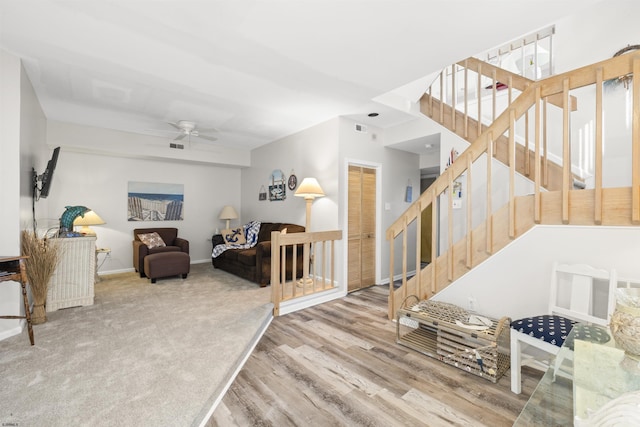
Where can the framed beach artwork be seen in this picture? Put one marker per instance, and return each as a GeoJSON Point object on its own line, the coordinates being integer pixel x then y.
{"type": "Point", "coordinates": [153, 201]}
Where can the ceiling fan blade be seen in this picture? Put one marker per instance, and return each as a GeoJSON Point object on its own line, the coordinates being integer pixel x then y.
{"type": "Point", "coordinates": [175, 125]}
{"type": "Point", "coordinates": [208, 130]}
{"type": "Point", "coordinates": [210, 138]}
{"type": "Point", "coordinates": [179, 137]}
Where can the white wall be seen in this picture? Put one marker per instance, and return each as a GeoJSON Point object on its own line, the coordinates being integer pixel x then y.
{"type": "Point", "coordinates": [396, 169]}
{"type": "Point", "coordinates": [22, 125]}
{"type": "Point", "coordinates": [9, 184]}
{"type": "Point", "coordinates": [595, 33]}
{"type": "Point", "coordinates": [515, 281]}
{"type": "Point", "coordinates": [310, 153]}
{"type": "Point", "coordinates": [101, 182]}
{"type": "Point", "coordinates": [323, 151]}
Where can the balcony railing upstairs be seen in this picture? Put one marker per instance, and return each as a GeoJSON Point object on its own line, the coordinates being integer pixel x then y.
{"type": "Point", "coordinates": [317, 264]}
{"type": "Point", "coordinates": [474, 89]}
{"type": "Point", "coordinates": [494, 204]}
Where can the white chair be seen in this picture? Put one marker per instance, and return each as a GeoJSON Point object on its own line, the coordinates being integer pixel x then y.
{"type": "Point", "coordinates": [579, 293]}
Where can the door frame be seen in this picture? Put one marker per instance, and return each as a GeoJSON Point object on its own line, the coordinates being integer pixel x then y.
{"type": "Point", "coordinates": [345, 216]}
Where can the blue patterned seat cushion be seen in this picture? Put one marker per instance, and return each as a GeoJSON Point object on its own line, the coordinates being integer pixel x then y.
{"type": "Point", "coordinates": [550, 328]}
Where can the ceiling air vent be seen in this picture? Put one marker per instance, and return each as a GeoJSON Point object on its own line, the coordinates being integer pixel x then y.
{"type": "Point", "coordinates": [176, 146]}
{"type": "Point", "coordinates": [361, 128]}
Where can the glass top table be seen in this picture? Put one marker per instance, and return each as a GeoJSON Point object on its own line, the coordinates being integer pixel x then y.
{"type": "Point", "coordinates": [591, 371]}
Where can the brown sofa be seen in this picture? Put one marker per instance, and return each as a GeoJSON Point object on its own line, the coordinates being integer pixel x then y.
{"type": "Point", "coordinates": [172, 241]}
{"type": "Point", "coordinates": [255, 263]}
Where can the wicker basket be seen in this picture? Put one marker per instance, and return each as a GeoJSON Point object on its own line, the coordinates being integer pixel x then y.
{"type": "Point", "coordinates": [433, 329]}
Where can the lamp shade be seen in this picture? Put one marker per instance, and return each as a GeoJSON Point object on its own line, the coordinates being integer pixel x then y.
{"type": "Point", "coordinates": [89, 218]}
{"type": "Point", "coordinates": [309, 189]}
{"type": "Point", "coordinates": [228, 212]}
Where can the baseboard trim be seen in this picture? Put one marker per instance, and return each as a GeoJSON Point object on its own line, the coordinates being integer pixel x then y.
{"type": "Point", "coordinates": [398, 277]}
{"type": "Point", "coordinates": [310, 300]}
{"type": "Point", "coordinates": [16, 330]}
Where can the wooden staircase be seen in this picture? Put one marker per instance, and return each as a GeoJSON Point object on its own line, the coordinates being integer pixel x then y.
{"type": "Point", "coordinates": [549, 198]}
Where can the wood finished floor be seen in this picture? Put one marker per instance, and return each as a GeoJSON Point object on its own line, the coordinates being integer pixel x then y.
{"type": "Point", "coordinates": [338, 364]}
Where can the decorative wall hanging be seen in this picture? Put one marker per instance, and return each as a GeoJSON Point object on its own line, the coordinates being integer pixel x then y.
{"type": "Point", "coordinates": [152, 201]}
{"type": "Point", "coordinates": [293, 181]}
{"type": "Point", "coordinates": [409, 192]}
{"type": "Point", "coordinates": [278, 187]}
{"type": "Point", "coordinates": [262, 195]}
{"type": "Point", "coordinates": [626, 79]}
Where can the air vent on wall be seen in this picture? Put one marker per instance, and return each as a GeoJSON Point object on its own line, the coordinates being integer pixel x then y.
{"type": "Point", "coordinates": [176, 146]}
{"type": "Point", "coordinates": [361, 128]}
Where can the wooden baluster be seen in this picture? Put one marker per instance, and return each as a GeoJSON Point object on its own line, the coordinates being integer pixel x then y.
{"type": "Point", "coordinates": [442, 97]}
{"type": "Point", "coordinates": [479, 99]}
{"type": "Point", "coordinates": [598, 154]}
{"type": "Point", "coordinates": [527, 167]}
{"type": "Point", "coordinates": [537, 174]}
{"type": "Point", "coordinates": [635, 143]}
{"type": "Point", "coordinates": [430, 101]}
{"type": "Point", "coordinates": [566, 151]}
{"type": "Point", "coordinates": [418, 248]}
{"type": "Point", "coordinates": [333, 266]}
{"type": "Point", "coordinates": [466, 100]}
{"type": "Point", "coordinates": [512, 173]}
{"type": "Point", "coordinates": [434, 237]}
{"type": "Point", "coordinates": [469, 222]}
{"type": "Point", "coordinates": [545, 159]}
{"type": "Point", "coordinates": [275, 276]}
{"type": "Point", "coordinates": [453, 98]}
{"type": "Point", "coordinates": [404, 258]}
{"type": "Point", "coordinates": [450, 220]}
{"type": "Point", "coordinates": [489, 225]}
{"type": "Point", "coordinates": [494, 95]}
{"type": "Point", "coordinates": [392, 294]}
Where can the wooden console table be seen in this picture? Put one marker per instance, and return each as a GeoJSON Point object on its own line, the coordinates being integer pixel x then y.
{"type": "Point", "coordinates": [14, 269]}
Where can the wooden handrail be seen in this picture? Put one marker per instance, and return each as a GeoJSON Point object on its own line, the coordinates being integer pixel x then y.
{"type": "Point", "coordinates": [568, 206]}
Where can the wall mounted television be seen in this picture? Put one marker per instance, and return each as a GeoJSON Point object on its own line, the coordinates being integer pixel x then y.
{"type": "Point", "coordinates": [46, 178]}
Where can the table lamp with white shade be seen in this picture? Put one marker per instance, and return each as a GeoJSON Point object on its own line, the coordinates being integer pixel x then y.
{"type": "Point", "coordinates": [228, 213]}
{"type": "Point", "coordinates": [89, 218]}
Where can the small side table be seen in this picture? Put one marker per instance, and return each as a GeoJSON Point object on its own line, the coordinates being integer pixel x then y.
{"type": "Point", "coordinates": [98, 252]}
{"type": "Point", "coordinates": [14, 269]}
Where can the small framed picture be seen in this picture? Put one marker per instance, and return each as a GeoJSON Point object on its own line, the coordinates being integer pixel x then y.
{"type": "Point", "coordinates": [293, 182]}
{"type": "Point", "coordinates": [262, 195]}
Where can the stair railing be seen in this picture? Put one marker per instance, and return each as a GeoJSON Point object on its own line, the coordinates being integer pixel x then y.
{"type": "Point", "coordinates": [492, 220]}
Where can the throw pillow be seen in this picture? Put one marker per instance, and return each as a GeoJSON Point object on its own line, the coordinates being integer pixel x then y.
{"type": "Point", "coordinates": [234, 236]}
{"type": "Point", "coordinates": [153, 240]}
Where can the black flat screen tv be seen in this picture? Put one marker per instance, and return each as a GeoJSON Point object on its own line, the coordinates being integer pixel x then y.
{"type": "Point", "coordinates": [47, 175]}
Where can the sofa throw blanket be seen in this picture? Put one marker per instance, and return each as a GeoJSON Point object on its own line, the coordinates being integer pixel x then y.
{"type": "Point", "coordinates": [251, 231]}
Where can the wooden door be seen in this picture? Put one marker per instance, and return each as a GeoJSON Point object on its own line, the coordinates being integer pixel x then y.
{"type": "Point", "coordinates": [361, 228]}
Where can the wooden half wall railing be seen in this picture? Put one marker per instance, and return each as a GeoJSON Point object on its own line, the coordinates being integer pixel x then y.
{"type": "Point", "coordinates": [317, 265]}
{"type": "Point", "coordinates": [501, 224]}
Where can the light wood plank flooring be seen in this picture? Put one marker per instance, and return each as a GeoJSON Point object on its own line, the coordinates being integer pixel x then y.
{"type": "Point", "coordinates": [338, 364]}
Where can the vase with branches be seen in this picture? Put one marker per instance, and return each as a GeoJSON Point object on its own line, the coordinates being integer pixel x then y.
{"type": "Point", "coordinates": [43, 256]}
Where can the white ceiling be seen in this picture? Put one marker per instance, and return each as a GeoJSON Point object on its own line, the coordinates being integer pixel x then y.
{"type": "Point", "coordinates": [256, 70]}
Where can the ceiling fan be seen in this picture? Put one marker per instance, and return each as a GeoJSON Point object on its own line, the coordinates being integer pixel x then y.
{"type": "Point", "coordinates": [188, 129]}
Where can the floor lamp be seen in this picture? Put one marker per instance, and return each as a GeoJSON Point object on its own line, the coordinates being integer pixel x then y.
{"type": "Point", "coordinates": [309, 189]}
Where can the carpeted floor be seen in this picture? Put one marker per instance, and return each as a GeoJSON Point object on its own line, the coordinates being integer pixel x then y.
{"type": "Point", "coordinates": [143, 355]}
